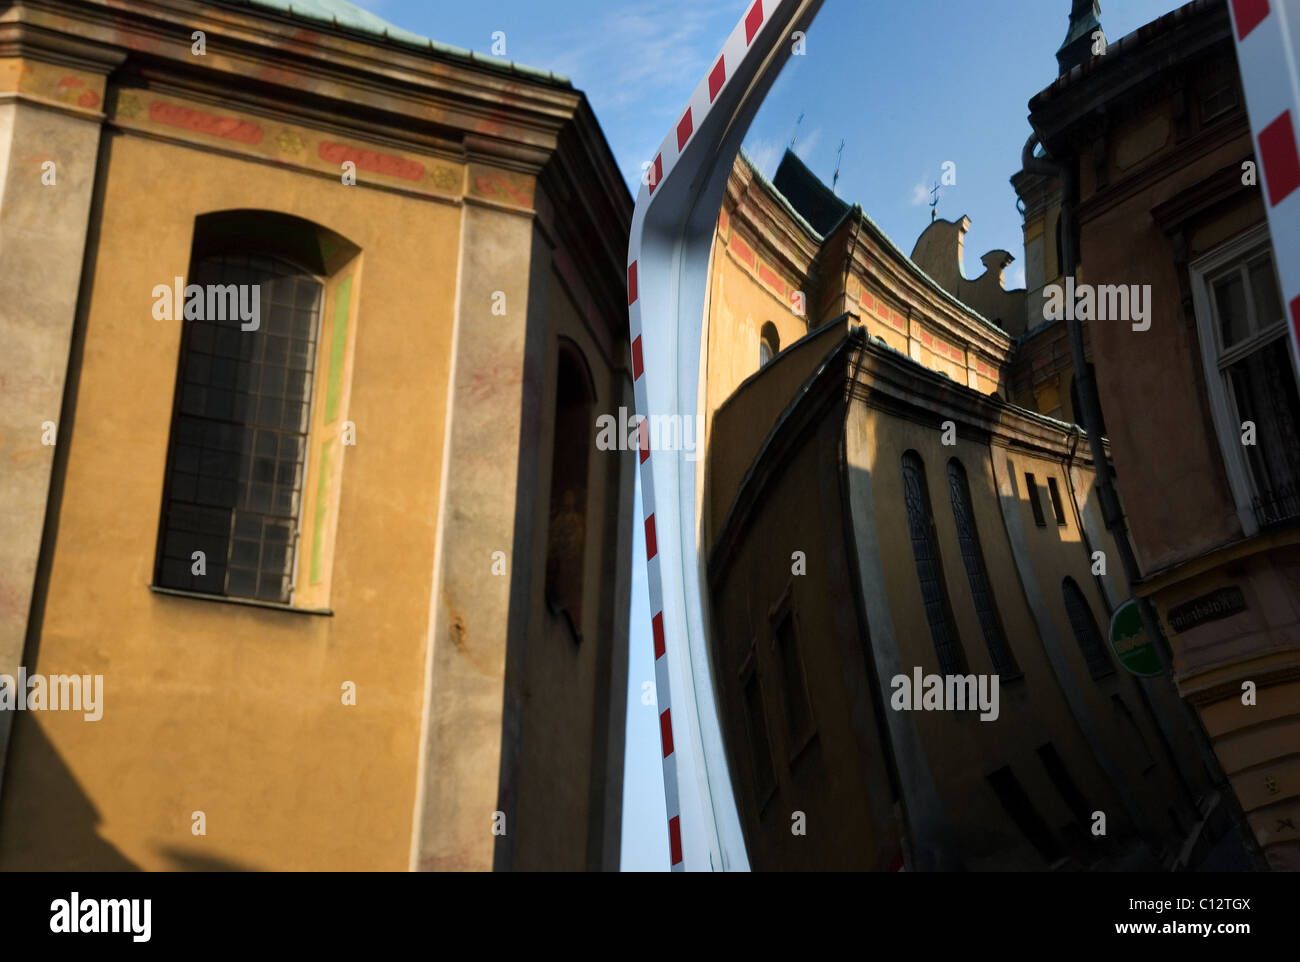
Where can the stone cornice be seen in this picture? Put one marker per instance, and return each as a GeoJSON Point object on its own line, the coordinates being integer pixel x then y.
{"type": "Point", "coordinates": [768, 225]}
{"type": "Point", "coordinates": [902, 279]}
{"type": "Point", "coordinates": [582, 181]}
{"type": "Point", "coordinates": [22, 39]}
{"type": "Point", "coordinates": [1170, 162]}
{"type": "Point", "coordinates": [1129, 68]}
{"type": "Point", "coordinates": [865, 371]}
{"type": "Point", "coordinates": [257, 55]}
{"type": "Point", "coordinates": [432, 104]}
{"type": "Point", "coordinates": [891, 382]}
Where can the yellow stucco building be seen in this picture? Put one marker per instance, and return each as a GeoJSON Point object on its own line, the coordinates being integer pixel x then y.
{"type": "Point", "coordinates": [304, 319]}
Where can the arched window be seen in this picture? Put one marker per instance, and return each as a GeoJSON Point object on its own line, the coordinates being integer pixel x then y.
{"type": "Point", "coordinates": [769, 343]}
{"type": "Point", "coordinates": [237, 507]}
{"type": "Point", "coordinates": [567, 528]}
{"type": "Point", "coordinates": [929, 567]}
{"type": "Point", "coordinates": [1085, 630]}
{"type": "Point", "coordinates": [972, 556]}
{"type": "Point", "coordinates": [239, 431]}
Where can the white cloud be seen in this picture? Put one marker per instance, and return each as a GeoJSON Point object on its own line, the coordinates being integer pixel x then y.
{"type": "Point", "coordinates": [629, 55]}
{"type": "Point", "coordinates": [638, 67]}
{"type": "Point", "coordinates": [920, 194]}
{"type": "Point", "coordinates": [804, 146]}
{"type": "Point", "coordinates": [765, 154]}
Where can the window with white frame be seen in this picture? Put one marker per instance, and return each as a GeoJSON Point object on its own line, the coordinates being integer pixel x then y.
{"type": "Point", "coordinates": [1250, 377]}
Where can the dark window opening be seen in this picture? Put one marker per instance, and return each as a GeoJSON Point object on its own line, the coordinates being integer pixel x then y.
{"type": "Point", "coordinates": [1058, 508]}
{"type": "Point", "coordinates": [794, 686]}
{"type": "Point", "coordinates": [1018, 805]}
{"type": "Point", "coordinates": [1035, 504]}
{"type": "Point", "coordinates": [1066, 786]}
{"type": "Point", "coordinates": [1136, 736]}
{"type": "Point", "coordinates": [238, 448]}
{"type": "Point", "coordinates": [929, 567]}
{"type": "Point", "coordinates": [1085, 629]}
{"type": "Point", "coordinates": [759, 743]}
{"type": "Point", "coordinates": [972, 556]}
{"type": "Point", "coordinates": [1217, 92]}
{"type": "Point", "coordinates": [769, 344]}
{"type": "Point", "coordinates": [567, 527]}
{"type": "Point", "coordinates": [1264, 389]}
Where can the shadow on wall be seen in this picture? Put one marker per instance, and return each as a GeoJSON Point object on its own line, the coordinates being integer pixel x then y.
{"type": "Point", "coordinates": [183, 861]}
{"type": "Point", "coordinates": [68, 842]}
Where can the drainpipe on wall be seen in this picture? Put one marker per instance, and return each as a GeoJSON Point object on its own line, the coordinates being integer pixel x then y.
{"type": "Point", "coordinates": [1111, 510]}
{"type": "Point", "coordinates": [1078, 513]}
{"type": "Point", "coordinates": [1139, 684]}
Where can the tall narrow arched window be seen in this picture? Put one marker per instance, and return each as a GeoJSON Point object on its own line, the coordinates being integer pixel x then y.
{"type": "Point", "coordinates": [239, 432]}
{"type": "Point", "coordinates": [266, 328]}
{"type": "Point", "coordinates": [972, 556]}
{"type": "Point", "coordinates": [769, 343]}
{"type": "Point", "coordinates": [929, 567]}
{"type": "Point", "coordinates": [567, 526]}
{"type": "Point", "coordinates": [1085, 629]}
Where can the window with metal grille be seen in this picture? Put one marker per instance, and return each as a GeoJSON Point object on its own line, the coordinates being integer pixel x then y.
{"type": "Point", "coordinates": [239, 435]}
{"type": "Point", "coordinates": [972, 556]}
{"type": "Point", "coordinates": [1035, 504]}
{"type": "Point", "coordinates": [1058, 508]}
{"type": "Point", "coordinates": [929, 567]}
{"type": "Point", "coordinates": [1085, 630]}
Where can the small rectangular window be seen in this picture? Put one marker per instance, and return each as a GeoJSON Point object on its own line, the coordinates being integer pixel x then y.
{"type": "Point", "coordinates": [1066, 786]}
{"type": "Point", "coordinates": [1018, 805]}
{"type": "Point", "coordinates": [1058, 509]}
{"type": "Point", "coordinates": [1217, 92]}
{"type": "Point", "coordinates": [793, 686]}
{"type": "Point", "coordinates": [1032, 486]}
{"type": "Point", "coordinates": [759, 744]}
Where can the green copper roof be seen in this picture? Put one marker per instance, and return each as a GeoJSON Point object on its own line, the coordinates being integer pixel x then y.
{"type": "Point", "coordinates": [1084, 19]}
{"type": "Point", "coordinates": [349, 16]}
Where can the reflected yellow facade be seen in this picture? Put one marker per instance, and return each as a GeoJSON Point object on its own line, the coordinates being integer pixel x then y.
{"type": "Point", "coordinates": [868, 514]}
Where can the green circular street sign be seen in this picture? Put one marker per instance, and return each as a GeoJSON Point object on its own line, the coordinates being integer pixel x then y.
{"type": "Point", "coordinates": [1131, 643]}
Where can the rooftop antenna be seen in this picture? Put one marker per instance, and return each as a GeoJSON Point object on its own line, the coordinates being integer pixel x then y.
{"type": "Point", "coordinates": [839, 156]}
{"type": "Point", "coordinates": [934, 202]}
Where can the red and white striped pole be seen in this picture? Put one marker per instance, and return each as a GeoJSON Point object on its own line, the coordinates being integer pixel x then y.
{"type": "Point", "coordinates": [672, 226]}
{"type": "Point", "coordinates": [1267, 33]}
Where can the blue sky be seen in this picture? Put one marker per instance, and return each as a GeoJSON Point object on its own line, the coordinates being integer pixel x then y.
{"type": "Point", "coordinates": [905, 86]}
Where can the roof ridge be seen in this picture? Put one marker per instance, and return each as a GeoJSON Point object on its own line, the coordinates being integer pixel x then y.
{"type": "Point", "coordinates": [345, 15]}
{"type": "Point", "coordinates": [877, 229]}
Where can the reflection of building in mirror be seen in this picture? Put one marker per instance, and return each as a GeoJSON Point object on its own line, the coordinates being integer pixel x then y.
{"type": "Point", "coordinates": [910, 569]}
